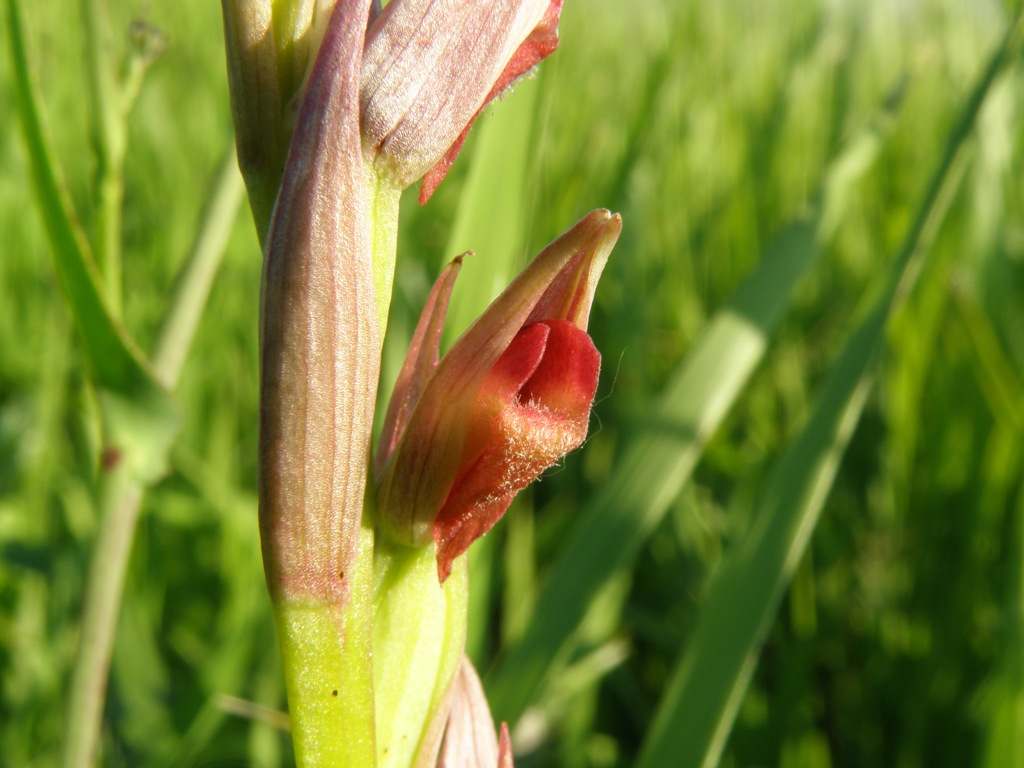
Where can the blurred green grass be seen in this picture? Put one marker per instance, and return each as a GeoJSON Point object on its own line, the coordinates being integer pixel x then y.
{"type": "Point", "coordinates": [710, 128]}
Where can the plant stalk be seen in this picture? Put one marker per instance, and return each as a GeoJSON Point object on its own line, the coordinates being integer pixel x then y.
{"type": "Point", "coordinates": [120, 499]}
{"type": "Point", "coordinates": [192, 287]}
{"type": "Point", "coordinates": [109, 133]}
{"type": "Point", "coordinates": [121, 494]}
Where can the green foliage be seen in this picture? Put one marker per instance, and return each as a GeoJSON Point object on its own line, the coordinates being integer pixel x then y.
{"type": "Point", "coordinates": [769, 160]}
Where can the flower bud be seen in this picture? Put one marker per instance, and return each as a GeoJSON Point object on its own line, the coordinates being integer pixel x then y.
{"type": "Point", "coordinates": [429, 68]}
{"type": "Point", "coordinates": [513, 395]}
{"type": "Point", "coordinates": [469, 740]}
{"type": "Point", "coordinates": [270, 49]}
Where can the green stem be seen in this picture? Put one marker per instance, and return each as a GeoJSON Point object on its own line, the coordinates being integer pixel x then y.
{"type": "Point", "coordinates": [121, 497]}
{"type": "Point", "coordinates": [109, 131]}
{"type": "Point", "coordinates": [419, 639]}
{"type": "Point", "coordinates": [192, 287]}
{"type": "Point", "coordinates": [115, 363]}
{"type": "Point", "coordinates": [327, 654]}
{"type": "Point", "coordinates": [384, 200]}
{"type": "Point", "coordinates": [110, 195]}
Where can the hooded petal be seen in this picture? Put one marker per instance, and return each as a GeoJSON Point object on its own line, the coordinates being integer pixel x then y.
{"type": "Point", "coordinates": [459, 416]}
{"type": "Point", "coordinates": [430, 65]}
{"type": "Point", "coordinates": [527, 423]}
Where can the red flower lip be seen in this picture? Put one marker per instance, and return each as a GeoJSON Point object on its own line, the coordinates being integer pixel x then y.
{"type": "Point", "coordinates": [513, 395]}
{"type": "Point", "coordinates": [534, 408]}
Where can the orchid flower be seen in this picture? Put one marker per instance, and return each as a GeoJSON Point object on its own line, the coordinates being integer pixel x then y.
{"type": "Point", "coordinates": [461, 437]}
{"type": "Point", "coordinates": [464, 435]}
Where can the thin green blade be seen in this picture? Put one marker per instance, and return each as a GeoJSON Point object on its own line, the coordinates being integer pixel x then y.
{"type": "Point", "coordinates": [697, 712]}
{"type": "Point", "coordinates": [700, 704]}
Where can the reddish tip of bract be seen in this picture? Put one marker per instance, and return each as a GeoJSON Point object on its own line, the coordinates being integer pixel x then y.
{"type": "Point", "coordinates": [469, 740]}
{"type": "Point", "coordinates": [504, 748]}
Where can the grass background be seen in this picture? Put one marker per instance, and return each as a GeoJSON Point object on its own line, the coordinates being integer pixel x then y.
{"type": "Point", "coordinates": [711, 127]}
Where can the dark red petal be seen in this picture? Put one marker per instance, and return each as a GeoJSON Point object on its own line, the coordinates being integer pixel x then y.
{"type": "Point", "coordinates": [539, 45]}
{"type": "Point", "coordinates": [545, 418]}
{"type": "Point", "coordinates": [502, 386]}
{"type": "Point", "coordinates": [457, 527]}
